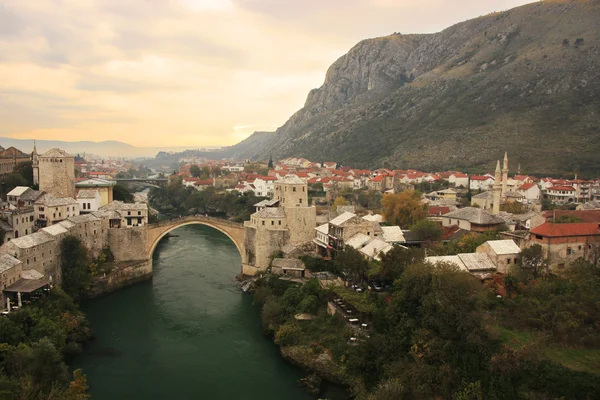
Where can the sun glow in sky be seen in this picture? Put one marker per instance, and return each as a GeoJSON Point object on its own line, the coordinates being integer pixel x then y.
{"type": "Point", "coordinates": [185, 72]}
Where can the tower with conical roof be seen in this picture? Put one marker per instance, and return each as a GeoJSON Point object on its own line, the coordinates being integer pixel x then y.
{"type": "Point", "coordinates": [505, 174]}
{"type": "Point", "coordinates": [36, 165]}
{"type": "Point", "coordinates": [497, 190]}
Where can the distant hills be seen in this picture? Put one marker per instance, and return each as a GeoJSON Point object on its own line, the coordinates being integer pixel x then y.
{"type": "Point", "coordinates": [107, 148]}
{"type": "Point", "coordinates": [526, 81]}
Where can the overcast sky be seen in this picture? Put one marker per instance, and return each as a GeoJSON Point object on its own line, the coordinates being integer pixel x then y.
{"type": "Point", "coordinates": [185, 72]}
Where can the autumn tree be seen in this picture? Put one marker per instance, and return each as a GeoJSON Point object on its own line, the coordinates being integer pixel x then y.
{"type": "Point", "coordinates": [339, 201]}
{"type": "Point", "coordinates": [404, 209]}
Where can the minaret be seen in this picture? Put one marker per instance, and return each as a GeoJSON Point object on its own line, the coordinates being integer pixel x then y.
{"type": "Point", "coordinates": [35, 164]}
{"type": "Point", "coordinates": [497, 190]}
{"type": "Point", "coordinates": [504, 174]}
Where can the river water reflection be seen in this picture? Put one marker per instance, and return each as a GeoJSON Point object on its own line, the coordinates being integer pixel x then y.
{"type": "Point", "coordinates": [187, 334]}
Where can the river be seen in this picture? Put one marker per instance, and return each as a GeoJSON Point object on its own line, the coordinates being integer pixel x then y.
{"type": "Point", "coordinates": [189, 333]}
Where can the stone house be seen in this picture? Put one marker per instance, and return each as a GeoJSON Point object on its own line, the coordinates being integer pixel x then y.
{"type": "Point", "coordinates": [472, 219]}
{"type": "Point", "coordinates": [14, 195]}
{"type": "Point", "coordinates": [291, 267]}
{"type": "Point", "coordinates": [321, 240]}
{"type": "Point", "coordinates": [37, 251]}
{"type": "Point", "coordinates": [89, 200]}
{"type": "Point", "coordinates": [50, 210]}
{"type": "Point", "coordinates": [564, 243]}
{"type": "Point", "coordinates": [16, 223]}
{"type": "Point", "coordinates": [345, 226]}
{"type": "Point", "coordinates": [131, 214]}
{"type": "Point", "coordinates": [103, 186]}
{"type": "Point", "coordinates": [503, 253]}
{"type": "Point", "coordinates": [10, 272]}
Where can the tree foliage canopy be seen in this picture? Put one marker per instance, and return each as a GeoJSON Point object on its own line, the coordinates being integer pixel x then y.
{"type": "Point", "coordinates": [404, 208]}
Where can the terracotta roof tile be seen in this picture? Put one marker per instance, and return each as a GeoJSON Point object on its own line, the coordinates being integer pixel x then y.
{"type": "Point", "coordinates": [559, 230]}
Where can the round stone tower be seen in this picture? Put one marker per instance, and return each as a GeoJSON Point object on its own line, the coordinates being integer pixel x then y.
{"type": "Point", "coordinates": [57, 173]}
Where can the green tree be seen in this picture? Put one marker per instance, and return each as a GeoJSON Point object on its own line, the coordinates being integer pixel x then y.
{"type": "Point", "coordinates": [74, 263]}
{"type": "Point", "coordinates": [427, 231]}
{"type": "Point", "coordinates": [195, 171]}
{"type": "Point", "coordinates": [121, 193]}
{"type": "Point", "coordinates": [351, 262]}
{"type": "Point", "coordinates": [395, 261]}
{"type": "Point", "coordinates": [533, 261]}
{"type": "Point", "coordinates": [568, 219]}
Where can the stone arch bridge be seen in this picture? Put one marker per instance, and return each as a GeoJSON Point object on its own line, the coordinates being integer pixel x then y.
{"type": "Point", "coordinates": [233, 230]}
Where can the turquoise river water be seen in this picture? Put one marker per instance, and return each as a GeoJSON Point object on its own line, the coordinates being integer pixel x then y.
{"type": "Point", "coordinates": [189, 333]}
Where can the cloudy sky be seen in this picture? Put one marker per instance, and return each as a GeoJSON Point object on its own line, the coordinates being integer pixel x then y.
{"type": "Point", "coordinates": [185, 72]}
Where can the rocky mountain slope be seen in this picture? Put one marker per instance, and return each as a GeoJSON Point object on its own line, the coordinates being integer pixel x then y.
{"type": "Point", "coordinates": [526, 81]}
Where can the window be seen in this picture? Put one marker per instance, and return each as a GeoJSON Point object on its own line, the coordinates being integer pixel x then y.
{"type": "Point", "coordinates": [580, 247]}
{"type": "Point", "coordinates": [279, 222]}
{"type": "Point", "coordinates": [263, 222]}
{"type": "Point", "coordinates": [272, 222]}
{"type": "Point", "coordinates": [508, 260]}
{"type": "Point", "coordinates": [84, 206]}
{"type": "Point", "coordinates": [128, 212]}
{"type": "Point", "coordinates": [139, 213]}
{"type": "Point", "coordinates": [300, 201]}
{"type": "Point", "coordinates": [569, 251]}
{"type": "Point", "coordinates": [294, 189]}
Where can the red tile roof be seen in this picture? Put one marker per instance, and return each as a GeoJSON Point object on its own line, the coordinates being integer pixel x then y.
{"type": "Point", "coordinates": [438, 210]}
{"type": "Point", "coordinates": [566, 188]}
{"type": "Point", "coordinates": [526, 186]}
{"type": "Point", "coordinates": [480, 178]}
{"type": "Point", "coordinates": [560, 230]}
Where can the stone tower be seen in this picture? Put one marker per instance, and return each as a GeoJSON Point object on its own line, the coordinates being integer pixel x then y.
{"type": "Point", "coordinates": [497, 190]}
{"type": "Point", "coordinates": [292, 193]}
{"type": "Point", "coordinates": [35, 164]}
{"type": "Point", "coordinates": [505, 174]}
{"type": "Point", "coordinates": [57, 173]}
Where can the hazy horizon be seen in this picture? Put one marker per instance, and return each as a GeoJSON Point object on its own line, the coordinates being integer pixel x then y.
{"type": "Point", "coordinates": [185, 73]}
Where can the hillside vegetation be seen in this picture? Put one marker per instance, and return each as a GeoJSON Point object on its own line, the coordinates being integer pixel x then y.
{"type": "Point", "coordinates": [523, 81]}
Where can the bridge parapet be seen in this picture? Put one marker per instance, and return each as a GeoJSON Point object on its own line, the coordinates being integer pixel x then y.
{"type": "Point", "coordinates": [199, 218]}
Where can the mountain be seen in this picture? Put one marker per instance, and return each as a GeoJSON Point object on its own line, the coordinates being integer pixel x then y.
{"type": "Point", "coordinates": [109, 148]}
{"type": "Point", "coordinates": [526, 81]}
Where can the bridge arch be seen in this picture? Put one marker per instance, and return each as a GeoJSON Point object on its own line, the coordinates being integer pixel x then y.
{"type": "Point", "coordinates": [233, 231]}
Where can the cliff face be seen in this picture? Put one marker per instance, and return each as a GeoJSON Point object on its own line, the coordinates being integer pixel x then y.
{"type": "Point", "coordinates": [525, 81]}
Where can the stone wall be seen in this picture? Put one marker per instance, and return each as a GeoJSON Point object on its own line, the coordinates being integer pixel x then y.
{"type": "Point", "coordinates": [124, 274]}
{"type": "Point", "coordinates": [128, 244]}
{"type": "Point", "coordinates": [301, 222]}
{"type": "Point", "coordinates": [260, 244]}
